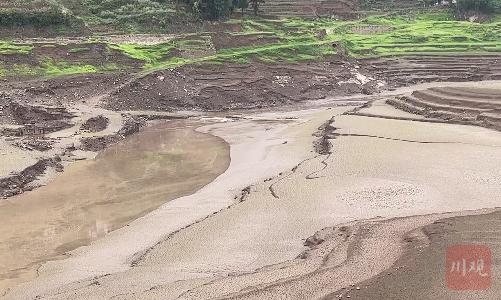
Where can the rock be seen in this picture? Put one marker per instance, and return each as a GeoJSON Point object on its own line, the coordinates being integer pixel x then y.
{"type": "Point", "coordinates": [313, 241]}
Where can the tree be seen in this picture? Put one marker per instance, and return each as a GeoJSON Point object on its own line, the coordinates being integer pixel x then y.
{"type": "Point", "coordinates": [211, 9]}
{"type": "Point", "coordinates": [255, 5]}
{"type": "Point", "coordinates": [241, 4]}
{"type": "Point", "coordinates": [465, 7]}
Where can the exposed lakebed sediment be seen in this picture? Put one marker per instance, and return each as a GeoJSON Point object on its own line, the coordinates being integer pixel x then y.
{"type": "Point", "coordinates": [296, 232]}
{"type": "Point", "coordinates": [93, 197]}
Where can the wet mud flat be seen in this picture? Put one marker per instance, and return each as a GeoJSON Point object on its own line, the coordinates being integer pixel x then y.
{"type": "Point", "coordinates": [93, 197]}
{"type": "Point", "coordinates": [329, 215]}
{"type": "Point", "coordinates": [380, 166]}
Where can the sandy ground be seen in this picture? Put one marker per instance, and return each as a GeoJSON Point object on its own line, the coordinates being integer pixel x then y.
{"type": "Point", "coordinates": [16, 161]}
{"type": "Point", "coordinates": [279, 241]}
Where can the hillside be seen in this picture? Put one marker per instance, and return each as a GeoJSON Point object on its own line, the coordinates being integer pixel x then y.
{"type": "Point", "coordinates": [70, 17]}
{"type": "Point", "coordinates": [310, 8]}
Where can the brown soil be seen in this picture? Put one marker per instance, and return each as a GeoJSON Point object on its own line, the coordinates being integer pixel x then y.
{"type": "Point", "coordinates": [310, 8]}
{"type": "Point", "coordinates": [232, 86]}
{"type": "Point", "coordinates": [131, 126]}
{"type": "Point", "coordinates": [223, 40]}
{"type": "Point", "coordinates": [29, 114]}
{"type": "Point", "coordinates": [95, 124]}
{"type": "Point", "coordinates": [404, 71]}
{"type": "Point", "coordinates": [61, 91]}
{"type": "Point", "coordinates": [17, 183]}
{"type": "Point", "coordinates": [32, 31]}
{"type": "Point", "coordinates": [35, 120]}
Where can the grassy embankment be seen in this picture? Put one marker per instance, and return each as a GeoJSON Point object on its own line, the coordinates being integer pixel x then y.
{"type": "Point", "coordinates": [297, 40]}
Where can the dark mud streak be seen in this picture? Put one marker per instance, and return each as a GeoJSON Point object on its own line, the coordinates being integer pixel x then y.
{"type": "Point", "coordinates": [18, 183]}
{"type": "Point", "coordinates": [413, 141]}
{"type": "Point", "coordinates": [324, 162]}
{"type": "Point", "coordinates": [131, 126]}
{"type": "Point", "coordinates": [323, 145]}
{"type": "Point", "coordinates": [402, 118]}
{"type": "Point", "coordinates": [293, 170]}
{"type": "Point", "coordinates": [391, 139]}
{"type": "Point", "coordinates": [94, 282]}
{"type": "Point", "coordinates": [346, 231]}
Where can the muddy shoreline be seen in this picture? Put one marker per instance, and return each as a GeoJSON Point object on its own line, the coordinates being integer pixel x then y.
{"type": "Point", "coordinates": [143, 172]}
{"type": "Point", "coordinates": [35, 108]}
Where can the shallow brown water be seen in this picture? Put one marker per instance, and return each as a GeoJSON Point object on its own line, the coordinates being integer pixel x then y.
{"type": "Point", "coordinates": [92, 198]}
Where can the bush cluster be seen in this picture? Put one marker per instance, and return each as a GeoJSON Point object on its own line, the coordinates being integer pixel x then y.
{"type": "Point", "coordinates": [36, 13]}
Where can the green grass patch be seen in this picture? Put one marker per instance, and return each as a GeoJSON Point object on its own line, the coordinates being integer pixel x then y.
{"type": "Point", "coordinates": [78, 50]}
{"type": "Point", "coordinates": [421, 31]}
{"type": "Point", "coordinates": [151, 54]}
{"type": "Point", "coordinates": [23, 70]}
{"type": "Point", "coordinates": [10, 48]}
{"type": "Point", "coordinates": [57, 68]}
{"type": "Point", "coordinates": [275, 53]}
{"type": "Point", "coordinates": [3, 71]}
{"type": "Point", "coordinates": [52, 68]}
{"type": "Point", "coordinates": [297, 40]}
{"type": "Point", "coordinates": [164, 54]}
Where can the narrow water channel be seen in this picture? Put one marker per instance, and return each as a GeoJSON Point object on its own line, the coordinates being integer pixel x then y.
{"type": "Point", "coordinates": [94, 197]}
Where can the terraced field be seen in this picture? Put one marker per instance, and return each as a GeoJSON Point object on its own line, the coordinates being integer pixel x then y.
{"type": "Point", "coordinates": [399, 71]}
{"type": "Point", "coordinates": [464, 105]}
{"type": "Point", "coordinates": [310, 8]}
